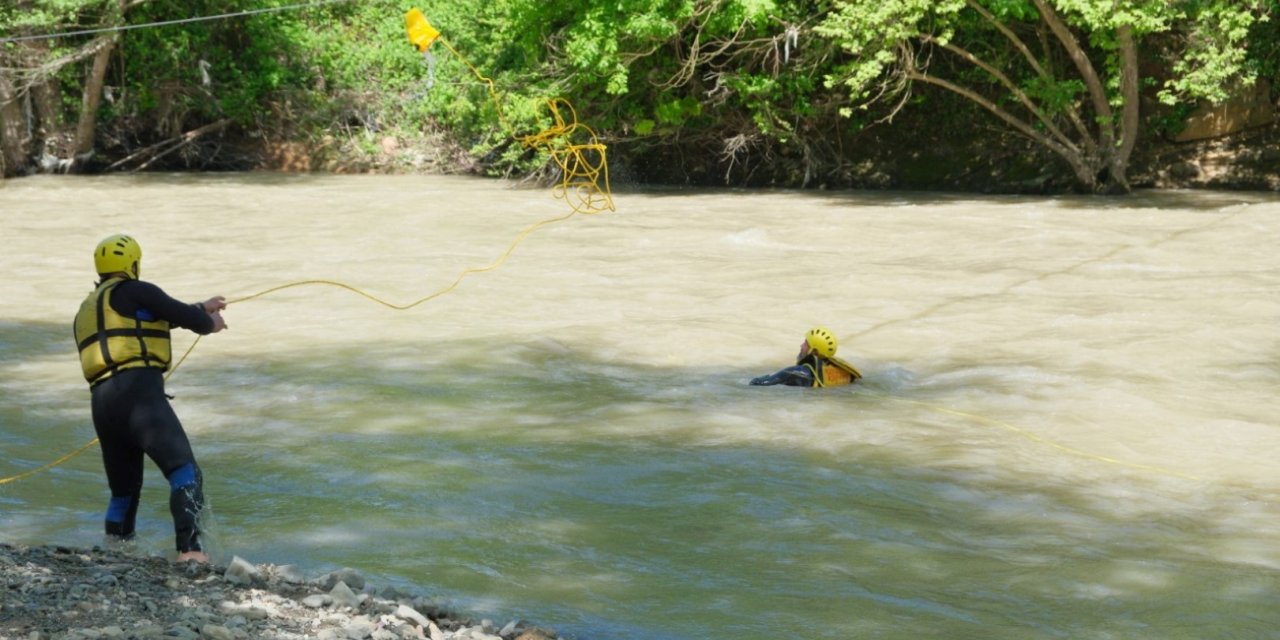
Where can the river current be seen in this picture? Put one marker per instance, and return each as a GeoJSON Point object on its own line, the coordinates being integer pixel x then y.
{"type": "Point", "coordinates": [1067, 426]}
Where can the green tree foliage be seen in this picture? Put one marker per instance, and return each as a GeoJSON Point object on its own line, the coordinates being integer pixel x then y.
{"type": "Point", "coordinates": [1264, 45]}
{"type": "Point", "coordinates": [33, 69]}
{"type": "Point", "coordinates": [189, 73]}
{"type": "Point", "coordinates": [1062, 73]}
{"type": "Point", "coordinates": [181, 73]}
{"type": "Point", "coordinates": [728, 79]}
{"type": "Point", "coordinates": [761, 90]}
{"type": "Point", "coordinates": [629, 66]}
{"type": "Point", "coordinates": [1216, 36]}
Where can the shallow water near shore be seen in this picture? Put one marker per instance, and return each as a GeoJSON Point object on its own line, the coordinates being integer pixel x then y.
{"type": "Point", "coordinates": [1067, 428]}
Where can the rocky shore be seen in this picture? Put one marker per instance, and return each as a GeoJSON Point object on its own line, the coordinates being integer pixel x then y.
{"type": "Point", "coordinates": [61, 593]}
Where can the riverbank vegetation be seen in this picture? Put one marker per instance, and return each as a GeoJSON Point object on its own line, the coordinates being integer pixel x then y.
{"type": "Point", "coordinates": [1042, 95]}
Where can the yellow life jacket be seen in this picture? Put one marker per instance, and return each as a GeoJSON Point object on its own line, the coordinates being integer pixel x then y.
{"type": "Point", "coordinates": [832, 372]}
{"type": "Point", "coordinates": [110, 342]}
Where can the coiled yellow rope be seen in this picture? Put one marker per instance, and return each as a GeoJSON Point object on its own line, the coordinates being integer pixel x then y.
{"type": "Point", "coordinates": [584, 166]}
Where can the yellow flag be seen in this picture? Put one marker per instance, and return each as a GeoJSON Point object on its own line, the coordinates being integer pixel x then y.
{"type": "Point", "coordinates": [421, 33]}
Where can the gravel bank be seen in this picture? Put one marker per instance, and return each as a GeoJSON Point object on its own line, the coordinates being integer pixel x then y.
{"type": "Point", "coordinates": [60, 593]}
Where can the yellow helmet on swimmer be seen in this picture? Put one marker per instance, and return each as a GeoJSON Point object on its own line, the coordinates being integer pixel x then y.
{"type": "Point", "coordinates": [821, 340]}
{"type": "Point", "coordinates": [118, 254]}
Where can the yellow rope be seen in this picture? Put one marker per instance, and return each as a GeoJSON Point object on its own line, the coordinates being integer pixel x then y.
{"type": "Point", "coordinates": [502, 258]}
{"type": "Point", "coordinates": [1043, 440]}
{"type": "Point", "coordinates": [580, 176]}
{"type": "Point", "coordinates": [399, 307]}
{"type": "Point", "coordinates": [50, 465]}
{"type": "Point", "coordinates": [584, 167]}
{"type": "Point", "coordinates": [402, 307]}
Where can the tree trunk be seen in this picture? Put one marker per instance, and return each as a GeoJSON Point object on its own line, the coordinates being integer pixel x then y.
{"type": "Point", "coordinates": [46, 95]}
{"type": "Point", "coordinates": [1129, 111]}
{"type": "Point", "coordinates": [13, 136]}
{"type": "Point", "coordinates": [86, 130]}
{"type": "Point", "coordinates": [1105, 162]}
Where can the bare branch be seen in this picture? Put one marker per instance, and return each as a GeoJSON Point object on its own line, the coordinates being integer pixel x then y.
{"type": "Point", "coordinates": [1011, 37]}
{"type": "Point", "coordinates": [1073, 114]}
{"type": "Point", "coordinates": [174, 143]}
{"type": "Point", "coordinates": [1015, 90]}
{"type": "Point", "coordinates": [1097, 92]}
{"type": "Point", "coordinates": [1070, 155]}
{"type": "Point", "coordinates": [33, 76]}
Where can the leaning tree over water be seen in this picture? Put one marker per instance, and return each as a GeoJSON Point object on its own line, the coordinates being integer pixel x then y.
{"type": "Point", "coordinates": [1063, 73]}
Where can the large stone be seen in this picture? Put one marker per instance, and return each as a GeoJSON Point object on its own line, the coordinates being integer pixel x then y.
{"type": "Point", "coordinates": [291, 574]}
{"type": "Point", "coordinates": [216, 632]}
{"type": "Point", "coordinates": [348, 575]}
{"type": "Point", "coordinates": [360, 628]}
{"type": "Point", "coordinates": [405, 612]}
{"type": "Point", "coordinates": [317, 601]}
{"type": "Point", "coordinates": [241, 571]}
{"type": "Point", "coordinates": [1250, 107]}
{"type": "Point", "coordinates": [343, 596]}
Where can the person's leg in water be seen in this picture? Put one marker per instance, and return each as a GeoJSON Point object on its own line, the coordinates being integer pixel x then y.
{"type": "Point", "coordinates": [122, 460]}
{"type": "Point", "coordinates": [124, 477]}
{"type": "Point", "coordinates": [161, 435]}
{"type": "Point", "coordinates": [186, 501]}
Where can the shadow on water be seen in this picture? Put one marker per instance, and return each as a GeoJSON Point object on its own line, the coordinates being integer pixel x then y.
{"type": "Point", "coordinates": [549, 473]}
{"type": "Point", "coordinates": [25, 413]}
{"type": "Point", "coordinates": [24, 341]}
{"type": "Point", "coordinates": [126, 180]}
{"type": "Point", "coordinates": [1158, 199]}
{"type": "Point", "coordinates": [1162, 199]}
{"type": "Point", "coordinates": [610, 500]}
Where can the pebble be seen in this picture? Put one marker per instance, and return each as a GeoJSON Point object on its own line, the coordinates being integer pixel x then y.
{"type": "Point", "coordinates": [61, 593]}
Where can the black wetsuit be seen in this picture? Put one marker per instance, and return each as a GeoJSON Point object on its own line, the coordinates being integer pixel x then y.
{"type": "Point", "coordinates": [132, 417]}
{"type": "Point", "coordinates": [794, 376]}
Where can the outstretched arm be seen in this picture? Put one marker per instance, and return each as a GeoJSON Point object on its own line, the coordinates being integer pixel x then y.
{"type": "Point", "coordinates": [138, 298]}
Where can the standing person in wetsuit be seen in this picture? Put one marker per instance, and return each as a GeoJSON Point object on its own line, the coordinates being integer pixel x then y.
{"type": "Point", "coordinates": [816, 365]}
{"type": "Point", "coordinates": [122, 332]}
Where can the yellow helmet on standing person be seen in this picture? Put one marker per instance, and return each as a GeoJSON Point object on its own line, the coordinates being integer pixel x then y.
{"type": "Point", "coordinates": [118, 254]}
{"type": "Point", "coordinates": [821, 340]}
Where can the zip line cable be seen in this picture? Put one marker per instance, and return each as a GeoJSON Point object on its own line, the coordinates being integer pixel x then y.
{"type": "Point", "coordinates": [166, 23]}
{"type": "Point", "coordinates": [580, 176]}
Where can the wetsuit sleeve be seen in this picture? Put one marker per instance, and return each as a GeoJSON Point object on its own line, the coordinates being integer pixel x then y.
{"type": "Point", "coordinates": [797, 376]}
{"type": "Point", "coordinates": [134, 296]}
